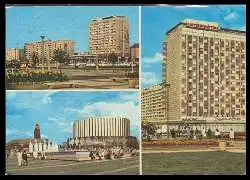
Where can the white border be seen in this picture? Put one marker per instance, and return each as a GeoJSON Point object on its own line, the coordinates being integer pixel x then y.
{"type": "Point", "coordinates": [140, 74]}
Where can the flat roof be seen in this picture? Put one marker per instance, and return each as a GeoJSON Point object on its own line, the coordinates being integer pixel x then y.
{"type": "Point", "coordinates": [221, 29]}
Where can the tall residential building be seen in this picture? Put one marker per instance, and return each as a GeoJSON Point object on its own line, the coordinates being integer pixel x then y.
{"type": "Point", "coordinates": [109, 35]}
{"type": "Point", "coordinates": [14, 54]}
{"type": "Point", "coordinates": [206, 70]}
{"type": "Point", "coordinates": [134, 51]}
{"type": "Point", "coordinates": [48, 46]}
{"type": "Point", "coordinates": [153, 103]}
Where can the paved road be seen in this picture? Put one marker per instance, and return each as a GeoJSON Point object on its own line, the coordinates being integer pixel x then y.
{"type": "Point", "coordinates": [128, 166]}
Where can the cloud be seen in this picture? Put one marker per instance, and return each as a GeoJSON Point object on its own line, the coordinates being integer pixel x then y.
{"type": "Point", "coordinates": [231, 17]}
{"type": "Point", "coordinates": [150, 78]}
{"type": "Point", "coordinates": [158, 57]}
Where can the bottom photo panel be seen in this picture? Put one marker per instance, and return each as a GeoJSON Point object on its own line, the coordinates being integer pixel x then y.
{"type": "Point", "coordinates": [72, 133]}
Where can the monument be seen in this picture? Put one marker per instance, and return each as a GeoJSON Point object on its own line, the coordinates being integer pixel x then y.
{"type": "Point", "coordinates": [37, 134]}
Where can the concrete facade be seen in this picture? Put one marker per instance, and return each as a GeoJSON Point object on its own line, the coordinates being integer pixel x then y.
{"type": "Point", "coordinates": [205, 66]}
{"type": "Point", "coordinates": [102, 127]}
{"type": "Point", "coordinates": [14, 54]}
{"type": "Point", "coordinates": [49, 48]}
{"type": "Point", "coordinates": [134, 51]}
{"type": "Point", "coordinates": [153, 103]}
{"type": "Point", "coordinates": [109, 35]}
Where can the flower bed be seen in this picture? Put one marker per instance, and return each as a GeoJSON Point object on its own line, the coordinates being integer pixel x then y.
{"type": "Point", "coordinates": [35, 77]}
{"type": "Point", "coordinates": [181, 142]}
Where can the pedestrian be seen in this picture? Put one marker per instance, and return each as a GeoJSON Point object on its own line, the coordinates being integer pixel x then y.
{"type": "Point", "coordinates": [217, 134]}
{"type": "Point", "coordinates": [25, 158]}
{"type": "Point", "coordinates": [19, 158]}
{"type": "Point", "coordinates": [204, 133]}
{"type": "Point", "coordinates": [231, 134]}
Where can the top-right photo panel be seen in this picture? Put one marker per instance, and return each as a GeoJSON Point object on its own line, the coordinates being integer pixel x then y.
{"type": "Point", "coordinates": [193, 89]}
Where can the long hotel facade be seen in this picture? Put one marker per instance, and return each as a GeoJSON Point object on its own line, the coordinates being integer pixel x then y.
{"type": "Point", "coordinates": [48, 47]}
{"type": "Point", "coordinates": [205, 67]}
{"type": "Point", "coordinates": [153, 103]}
{"type": "Point", "coordinates": [109, 35]}
{"type": "Point", "coordinates": [102, 127]}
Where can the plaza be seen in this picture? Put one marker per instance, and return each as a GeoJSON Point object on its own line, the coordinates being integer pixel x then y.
{"type": "Point", "coordinates": [126, 166]}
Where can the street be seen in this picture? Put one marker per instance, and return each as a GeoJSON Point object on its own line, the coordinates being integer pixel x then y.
{"type": "Point", "coordinates": [128, 166]}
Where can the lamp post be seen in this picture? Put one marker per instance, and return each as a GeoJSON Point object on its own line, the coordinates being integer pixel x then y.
{"type": "Point", "coordinates": [42, 38]}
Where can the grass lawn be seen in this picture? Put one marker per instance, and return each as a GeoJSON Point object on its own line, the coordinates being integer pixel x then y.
{"type": "Point", "coordinates": [194, 163]}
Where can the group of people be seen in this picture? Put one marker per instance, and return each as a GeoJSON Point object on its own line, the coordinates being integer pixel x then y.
{"type": "Point", "coordinates": [111, 153]}
{"type": "Point", "coordinates": [199, 134]}
{"type": "Point", "coordinates": [22, 158]}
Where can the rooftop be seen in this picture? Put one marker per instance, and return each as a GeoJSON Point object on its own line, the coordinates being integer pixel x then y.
{"type": "Point", "coordinates": [106, 17]}
{"type": "Point", "coordinates": [136, 45]}
{"type": "Point", "coordinates": [215, 25]}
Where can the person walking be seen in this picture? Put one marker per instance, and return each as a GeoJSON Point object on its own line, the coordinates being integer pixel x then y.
{"type": "Point", "coordinates": [231, 134]}
{"type": "Point", "coordinates": [25, 158]}
{"type": "Point", "coordinates": [204, 133]}
{"type": "Point", "coordinates": [217, 134]}
{"type": "Point", "coordinates": [19, 158]}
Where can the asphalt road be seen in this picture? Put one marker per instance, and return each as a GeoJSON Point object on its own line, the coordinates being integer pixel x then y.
{"type": "Point", "coordinates": [128, 166]}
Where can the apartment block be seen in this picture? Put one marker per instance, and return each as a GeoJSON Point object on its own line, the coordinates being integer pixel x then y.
{"type": "Point", "coordinates": [109, 35]}
{"type": "Point", "coordinates": [134, 51]}
{"type": "Point", "coordinates": [153, 103]}
{"type": "Point", "coordinates": [14, 54]}
{"type": "Point", "coordinates": [48, 46]}
{"type": "Point", "coordinates": [206, 69]}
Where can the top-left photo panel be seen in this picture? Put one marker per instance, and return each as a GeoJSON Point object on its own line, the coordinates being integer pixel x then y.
{"type": "Point", "coordinates": [72, 47]}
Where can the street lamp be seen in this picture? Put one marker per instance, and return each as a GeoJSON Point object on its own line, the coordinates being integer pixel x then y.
{"type": "Point", "coordinates": [42, 38]}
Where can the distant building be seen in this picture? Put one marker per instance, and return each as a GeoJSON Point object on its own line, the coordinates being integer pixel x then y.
{"type": "Point", "coordinates": [109, 35]}
{"type": "Point", "coordinates": [134, 51]}
{"type": "Point", "coordinates": [49, 48]}
{"type": "Point", "coordinates": [153, 103]}
{"type": "Point", "coordinates": [205, 66]}
{"type": "Point", "coordinates": [14, 54]}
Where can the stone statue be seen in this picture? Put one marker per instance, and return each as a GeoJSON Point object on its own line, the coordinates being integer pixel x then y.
{"type": "Point", "coordinates": [37, 133]}
{"type": "Point", "coordinates": [44, 147]}
{"type": "Point", "coordinates": [30, 147]}
{"type": "Point", "coordinates": [40, 148]}
{"type": "Point", "coordinates": [36, 147]}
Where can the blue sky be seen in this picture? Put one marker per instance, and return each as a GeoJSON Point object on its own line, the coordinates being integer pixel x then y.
{"type": "Point", "coordinates": [55, 111]}
{"type": "Point", "coordinates": [156, 21]}
{"type": "Point", "coordinates": [25, 24]}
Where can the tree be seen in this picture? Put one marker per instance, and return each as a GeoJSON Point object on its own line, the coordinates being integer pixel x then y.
{"type": "Point", "coordinates": [35, 59]}
{"type": "Point", "coordinates": [148, 129]}
{"type": "Point", "coordinates": [61, 57]}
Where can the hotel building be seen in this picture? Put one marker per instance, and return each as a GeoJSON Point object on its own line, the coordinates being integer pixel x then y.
{"type": "Point", "coordinates": [49, 47]}
{"type": "Point", "coordinates": [109, 35]}
{"type": "Point", "coordinates": [153, 103]}
{"type": "Point", "coordinates": [14, 54]}
{"type": "Point", "coordinates": [205, 67]}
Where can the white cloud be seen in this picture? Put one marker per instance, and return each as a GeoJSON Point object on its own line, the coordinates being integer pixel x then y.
{"type": "Point", "coordinates": [44, 136]}
{"type": "Point", "coordinates": [150, 78]}
{"type": "Point", "coordinates": [231, 16]}
{"type": "Point", "coordinates": [158, 57]}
